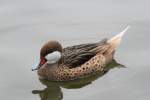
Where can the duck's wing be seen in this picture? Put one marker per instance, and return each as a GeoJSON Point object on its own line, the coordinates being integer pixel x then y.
{"type": "Point", "coordinates": [74, 56]}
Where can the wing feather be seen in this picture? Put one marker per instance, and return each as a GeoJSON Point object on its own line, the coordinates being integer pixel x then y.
{"type": "Point", "coordinates": [74, 56]}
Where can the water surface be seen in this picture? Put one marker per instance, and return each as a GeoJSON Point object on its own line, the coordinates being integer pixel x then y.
{"type": "Point", "coordinates": [26, 25]}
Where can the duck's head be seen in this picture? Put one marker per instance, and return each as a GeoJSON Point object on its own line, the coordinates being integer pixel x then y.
{"type": "Point", "coordinates": [50, 53]}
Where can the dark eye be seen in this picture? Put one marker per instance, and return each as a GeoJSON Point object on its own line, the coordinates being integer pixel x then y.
{"type": "Point", "coordinates": [43, 61]}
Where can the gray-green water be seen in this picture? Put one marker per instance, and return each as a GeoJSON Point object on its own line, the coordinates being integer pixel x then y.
{"type": "Point", "coordinates": [25, 25]}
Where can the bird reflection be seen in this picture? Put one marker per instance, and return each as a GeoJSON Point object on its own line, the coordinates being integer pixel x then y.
{"type": "Point", "coordinates": [53, 89]}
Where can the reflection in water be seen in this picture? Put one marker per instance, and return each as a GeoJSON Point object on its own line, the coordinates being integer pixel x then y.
{"type": "Point", "coordinates": [52, 92]}
{"type": "Point", "coordinates": [53, 89]}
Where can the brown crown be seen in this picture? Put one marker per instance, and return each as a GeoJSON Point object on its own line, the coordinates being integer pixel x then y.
{"type": "Point", "coordinates": [49, 47]}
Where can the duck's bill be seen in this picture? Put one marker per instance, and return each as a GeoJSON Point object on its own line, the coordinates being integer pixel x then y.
{"type": "Point", "coordinates": [35, 66]}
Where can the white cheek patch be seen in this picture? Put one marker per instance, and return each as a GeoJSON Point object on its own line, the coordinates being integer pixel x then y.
{"type": "Point", "coordinates": [53, 57]}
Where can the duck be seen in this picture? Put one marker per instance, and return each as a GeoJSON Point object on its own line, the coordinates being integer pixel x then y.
{"type": "Point", "coordinates": [70, 63]}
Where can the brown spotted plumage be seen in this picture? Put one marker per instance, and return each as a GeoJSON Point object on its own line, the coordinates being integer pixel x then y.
{"type": "Point", "coordinates": [77, 61]}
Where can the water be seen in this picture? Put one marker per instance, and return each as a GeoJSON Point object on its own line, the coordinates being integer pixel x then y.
{"type": "Point", "coordinates": [26, 25]}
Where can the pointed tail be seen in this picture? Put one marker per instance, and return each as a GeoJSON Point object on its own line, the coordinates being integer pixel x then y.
{"type": "Point", "coordinates": [116, 40]}
{"type": "Point", "coordinates": [111, 44]}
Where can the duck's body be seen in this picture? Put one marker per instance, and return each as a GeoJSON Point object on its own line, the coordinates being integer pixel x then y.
{"type": "Point", "coordinates": [74, 65]}
{"type": "Point", "coordinates": [76, 61]}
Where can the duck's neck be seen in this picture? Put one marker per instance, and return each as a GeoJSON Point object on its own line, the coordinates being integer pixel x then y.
{"type": "Point", "coordinates": [47, 69]}
{"type": "Point", "coordinates": [52, 65]}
